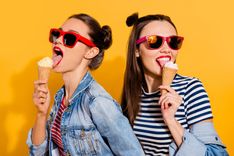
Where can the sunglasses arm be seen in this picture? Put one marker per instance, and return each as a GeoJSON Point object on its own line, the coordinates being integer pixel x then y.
{"type": "Point", "coordinates": [86, 41]}
{"type": "Point", "coordinates": [140, 40]}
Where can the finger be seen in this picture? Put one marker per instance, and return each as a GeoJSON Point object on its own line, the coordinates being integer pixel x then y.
{"type": "Point", "coordinates": [38, 101]}
{"type": "Point", "coordinates": [162, 107]}
{"type": "Point", "coordinates": [168, 88]}
{"type": "Point", "coordinates": [42, 89]}
{"type": "Point", "coordinates": [164, 100]}
{"type": "Point", "coordinates": [36, 85]}
{"type": "Point", "coordinates": [165, 106]}
{"type": "Point", "coordinates": [40, 82]}
{"type": "Point", "coordinates": [42, 100]}
{"type": "Point", "coordinates": [42, 95]}
{"type": "Point", "coordinates": [167, 103]}
{"type": "Point", "coordinates": [34, 96]}
{"type": "Point", "coordinates": [162, 97]}
{"type": "Point", "coordinates": [175, 99]}
{"type": "Point", "coordinates": [38, 95]}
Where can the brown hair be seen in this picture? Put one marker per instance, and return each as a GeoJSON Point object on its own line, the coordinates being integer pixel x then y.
{"type": "Point", "coordinates": [101, 37]}
{"type": "Point", "coordinates": [134, 74]}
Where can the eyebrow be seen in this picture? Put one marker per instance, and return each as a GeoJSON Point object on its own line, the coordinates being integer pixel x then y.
{"type": "Point", "coordinates": [70, 30]}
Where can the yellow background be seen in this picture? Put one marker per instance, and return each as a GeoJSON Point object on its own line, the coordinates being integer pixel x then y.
{"type": "Point", "coordinates": [207, 53]}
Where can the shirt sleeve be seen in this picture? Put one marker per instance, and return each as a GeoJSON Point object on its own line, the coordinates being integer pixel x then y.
{"type": "Point", "coordinates": [202, 140]}
{"type": "Point", "coordinates": [197, 103]}
{"type": "Point", "coordinates": [114, 127]}
{"type": "Point", "coordinates": [38, 150]}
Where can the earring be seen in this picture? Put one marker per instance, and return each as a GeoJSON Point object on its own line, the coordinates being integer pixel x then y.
{"type": "Point", "coordinates": [137, 53]}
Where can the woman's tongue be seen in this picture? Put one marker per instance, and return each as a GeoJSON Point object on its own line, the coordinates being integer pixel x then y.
{"type": "Point", "coordinates": [56, 60]}
{"type": "Point", "coordinates": [162, 61]}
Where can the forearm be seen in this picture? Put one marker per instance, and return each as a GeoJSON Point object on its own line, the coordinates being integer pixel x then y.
{"type": "Point", "coordinates": [39, 130]}
{"type": "Point", "coordinates": [176, 130]}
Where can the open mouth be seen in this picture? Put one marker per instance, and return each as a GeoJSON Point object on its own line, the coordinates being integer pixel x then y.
{"type": "Point", "coordinates": [162, 60]}
{"type": "Point", "coordinates": [57, 56]}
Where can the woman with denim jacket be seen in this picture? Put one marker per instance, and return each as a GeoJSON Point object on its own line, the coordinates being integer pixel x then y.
{"type": "Point", "coordinates": [85, 119]}
{"type": "Point", "coordinates": [178, 123]}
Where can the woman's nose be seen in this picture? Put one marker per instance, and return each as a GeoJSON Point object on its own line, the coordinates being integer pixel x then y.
{"type": "Point", "coordinates": [59, 40]}
{"type": "Point", "coordinates": [165, 48]}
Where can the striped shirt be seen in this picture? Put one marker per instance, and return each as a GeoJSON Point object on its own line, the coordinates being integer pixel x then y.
{"type": "Point", "coordinates": [55, 130]}
{"type": "Point", "coordinates": [149, 126]}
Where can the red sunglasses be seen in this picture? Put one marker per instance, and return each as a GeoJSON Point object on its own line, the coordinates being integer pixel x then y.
{"type": "Point", "coordinates": [69, 38]}
{"type": "Point", "coordinates": [155, 41]}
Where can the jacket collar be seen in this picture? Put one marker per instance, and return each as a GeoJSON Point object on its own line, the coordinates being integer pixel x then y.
{"type": "Point", "coordinates": [84, 83]}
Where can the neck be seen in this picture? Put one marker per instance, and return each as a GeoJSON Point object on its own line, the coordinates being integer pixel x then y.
{"type": "Point", "coordinates": [72, 80]}
{"type": "Point", "coordinates": [153, 82]}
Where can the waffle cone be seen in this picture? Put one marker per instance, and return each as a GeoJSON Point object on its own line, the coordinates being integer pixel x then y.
{"type": "Point", "coordinates": [43, 73]}
{"type": "Point", "coordinates": [168, 75]}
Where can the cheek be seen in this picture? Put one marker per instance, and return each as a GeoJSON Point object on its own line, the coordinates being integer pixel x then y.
{"type": "Point", "coordinates": [149, 59]}
{"type": "Point", "coordinates": [174, 56]}
{"type": "Point", "coordinates": [73, 56]}
{"type": "Point", "coordinates": [149, 55]}
{"type": "Point", "coordinates": [77, 51]}
{"type": "Point", "coordinates": [146, 55]}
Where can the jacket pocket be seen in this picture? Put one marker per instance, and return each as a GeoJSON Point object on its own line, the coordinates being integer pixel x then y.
{"type": "Point", "coordinates": [83, 142]}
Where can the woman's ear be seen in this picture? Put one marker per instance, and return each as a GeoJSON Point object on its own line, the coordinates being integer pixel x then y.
{"type": "Point", "coordinates": [137, 53]}
{"type": "Point", "coordinates": [94, 51]}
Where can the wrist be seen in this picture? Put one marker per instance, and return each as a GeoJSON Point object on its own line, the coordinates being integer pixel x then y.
{"type": "Point", "coordinates": [41, 115]}
{"type": "Point", "coordinates": [170, 122]}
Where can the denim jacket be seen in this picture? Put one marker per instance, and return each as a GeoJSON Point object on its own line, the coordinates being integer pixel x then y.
{"type": "Point", "coordinates": [201, 140]}
{"type": "Point", "coordinates": [92, 124]}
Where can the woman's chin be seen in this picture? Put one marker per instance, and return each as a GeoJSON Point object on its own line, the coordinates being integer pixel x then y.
{"type": "Point", "coordinates": [158, 73]}
{"type": "Point", "coordinates": [57, 69]}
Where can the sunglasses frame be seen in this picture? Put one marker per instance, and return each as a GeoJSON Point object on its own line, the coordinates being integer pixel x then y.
{"type": "Point", "coordinates": [167, 39]}
{"type": "Point", "coordinates": [78, 38]}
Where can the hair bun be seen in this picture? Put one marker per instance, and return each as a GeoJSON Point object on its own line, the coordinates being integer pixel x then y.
{"type": "Point", "coordinates": [107, 36]}
{"type": "Point", "coordinates": [132, 19]}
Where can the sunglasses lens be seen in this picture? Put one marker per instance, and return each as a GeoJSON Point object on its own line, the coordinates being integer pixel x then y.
{"type": "Point", "coordinates": [54, 35]}
{"type": "Point", "coordinates": [69, 39]}
{"type": "Point", "coordinates": [155, 42]}
{"type": "Point", "coordinates": [175, 42]}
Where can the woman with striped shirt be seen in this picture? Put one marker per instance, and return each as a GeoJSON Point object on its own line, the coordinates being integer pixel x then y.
{"type": "Point", "coordinates": [179, 122]}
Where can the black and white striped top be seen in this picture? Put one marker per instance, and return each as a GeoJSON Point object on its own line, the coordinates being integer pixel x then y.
{"type": "Point", "coordinates": [149, 126]}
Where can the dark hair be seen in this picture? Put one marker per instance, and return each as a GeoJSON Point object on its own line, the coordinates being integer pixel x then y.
{"type": "Point", "coordinates": [101, 37]}
{"type": "Point", "coordinates": [134, 75]}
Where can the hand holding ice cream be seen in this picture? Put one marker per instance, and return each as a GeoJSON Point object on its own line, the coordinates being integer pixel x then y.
{"type": "Point", "coordinates": [168, 73]}
{"type": "Point", "coordinates": [41, 96]}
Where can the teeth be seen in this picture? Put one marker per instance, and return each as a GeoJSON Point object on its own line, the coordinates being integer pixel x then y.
{"type": "Point", "coordinates": [57, 49]}
{"type": "Point", "coordinates": [164, 59]}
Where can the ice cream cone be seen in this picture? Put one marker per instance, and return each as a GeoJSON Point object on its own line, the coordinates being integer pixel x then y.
{"type": "Point", "coordinates": [168, 75]}
{"type": "Point", "coordinates": [43, 73]}
{"type": "Point", "coordinates": [44, 68]}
